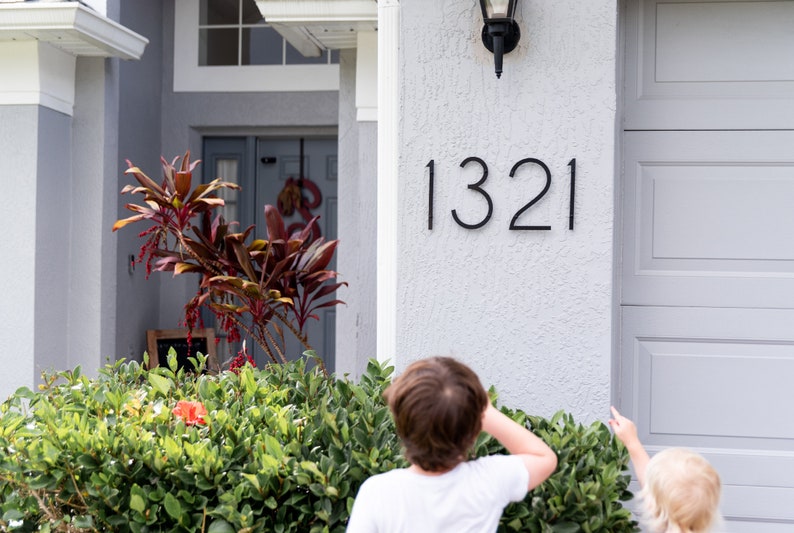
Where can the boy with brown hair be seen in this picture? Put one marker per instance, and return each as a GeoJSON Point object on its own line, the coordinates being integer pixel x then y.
{"type": "Point", "coordinates": [680, 489]}
{"type": "Point", "coordinates": [439, 408]}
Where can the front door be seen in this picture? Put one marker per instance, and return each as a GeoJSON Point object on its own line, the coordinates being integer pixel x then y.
{"type": "Point", "coordinates": [267, 168]}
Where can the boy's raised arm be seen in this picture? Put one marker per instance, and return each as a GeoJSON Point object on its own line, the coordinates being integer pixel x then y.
{"type": "Point", "coordinates": [539, 459]}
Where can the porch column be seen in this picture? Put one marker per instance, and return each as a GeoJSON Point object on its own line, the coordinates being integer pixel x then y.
{"type": "Point", "coordinates": [388, 138]}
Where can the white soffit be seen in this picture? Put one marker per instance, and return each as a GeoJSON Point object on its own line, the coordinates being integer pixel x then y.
{"type": "Point", "coordinates": [312, 26]}
{"type": "Point", "coordinates": [71, 27]}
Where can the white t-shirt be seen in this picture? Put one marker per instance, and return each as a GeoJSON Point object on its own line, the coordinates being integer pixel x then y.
{"type": "Point", "coordinates": [470, 498]}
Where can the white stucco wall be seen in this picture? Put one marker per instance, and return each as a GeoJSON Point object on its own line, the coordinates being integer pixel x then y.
{"type": "Point", "coordinates": [55, 314]}
{"type": "Point", "coordinates": [530, 311]}
{"type": "Point", "coordinates": [93, 287]}
{"type": "Point", "coordinates": [18, 140]}
{"type": "Point", "coordinates": [54, 246]}
{"type": "Point", "coordinates": [355, 319]}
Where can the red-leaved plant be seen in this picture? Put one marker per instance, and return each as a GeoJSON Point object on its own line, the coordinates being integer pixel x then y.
{"type": "Point", "coordinates": [261, 287]}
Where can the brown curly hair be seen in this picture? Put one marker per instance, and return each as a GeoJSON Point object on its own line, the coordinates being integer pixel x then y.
{"type": "Point", "coordinates": [437, 405]}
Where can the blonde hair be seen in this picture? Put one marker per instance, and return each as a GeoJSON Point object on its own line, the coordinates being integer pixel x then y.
{"type": "Point", "coordinates": [681, 493]}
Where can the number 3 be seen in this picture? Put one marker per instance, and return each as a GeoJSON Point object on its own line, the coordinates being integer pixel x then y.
{"type": "Point", "coordinates": [476, 187]}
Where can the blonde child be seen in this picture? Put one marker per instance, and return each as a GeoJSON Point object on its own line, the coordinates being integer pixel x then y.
{"type": "Point", "coordinates": [439, 408]}
{"type": "Point", "coordinates": [680, 489]}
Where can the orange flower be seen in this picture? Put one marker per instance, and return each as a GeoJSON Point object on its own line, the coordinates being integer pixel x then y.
{"type": "Point", "coordinates": [191, 412]}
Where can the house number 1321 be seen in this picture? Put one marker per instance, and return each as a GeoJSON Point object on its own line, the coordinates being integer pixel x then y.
{"type": "Point", "coordinates": [478, 188]}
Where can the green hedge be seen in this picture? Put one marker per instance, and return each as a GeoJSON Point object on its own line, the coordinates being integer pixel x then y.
{"type": "Point", "coordinates": [284, 449]}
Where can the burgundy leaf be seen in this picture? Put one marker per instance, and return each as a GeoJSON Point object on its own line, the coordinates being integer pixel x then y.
{"type": "Point", "coordinates": [182, 184]}
{"type": "Point", "coordinates": [275, 224]}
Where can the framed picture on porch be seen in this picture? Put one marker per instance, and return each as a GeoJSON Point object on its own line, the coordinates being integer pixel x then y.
{"type": "Point", "coordinates": [160, 341]}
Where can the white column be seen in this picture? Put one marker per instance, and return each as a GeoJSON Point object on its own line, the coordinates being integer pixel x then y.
{"type": "Point", "coordinates": [388, 119]}
{"type": "Point", "coordinates": [36, 73]}
{"type": "Point", "coordinates": [19, 145]}
{"type": "Point", "coordinates": [367, 76]}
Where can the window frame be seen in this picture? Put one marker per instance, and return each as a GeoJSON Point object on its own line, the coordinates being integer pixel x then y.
{"type": "Point", "coordinates": [190, 77]}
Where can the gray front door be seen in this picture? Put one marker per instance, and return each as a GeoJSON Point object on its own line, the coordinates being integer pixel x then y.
{"type": "Point", "coordinates": [707, 266]}
{"type": "Point", "coordinates": [279, 167]}
{"type": "Point", "coordinates": [264, 167]}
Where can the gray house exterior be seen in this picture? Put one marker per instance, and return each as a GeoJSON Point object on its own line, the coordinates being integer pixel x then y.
{"type": "Point", "coordinates": [83, 303]}
{"type": "Point", "coordinates": [624, 235]}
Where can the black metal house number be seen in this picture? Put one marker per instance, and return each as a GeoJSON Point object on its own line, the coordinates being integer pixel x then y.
{"type": "Point", "coordinates": [478, 187]}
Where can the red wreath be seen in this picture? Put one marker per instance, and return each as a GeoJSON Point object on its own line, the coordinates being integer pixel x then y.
{"type": "Point", "coordinates": [291, 199]}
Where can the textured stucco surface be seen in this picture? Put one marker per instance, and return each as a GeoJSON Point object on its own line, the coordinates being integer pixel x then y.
{"type": "Point", "coordinates": [92, 283]}
{"type": "Point", "coordinates": [355, 320]}
{"type": "Point", "coordinates": [529, 310]}
{"type": "Point", "coordinates": [18, 140]}
{"type": "Point", "coordinates": [52, 237]}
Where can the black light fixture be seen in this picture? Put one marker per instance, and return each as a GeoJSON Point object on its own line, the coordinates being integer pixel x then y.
{"type": "Point", "coordinates": [500, 34]}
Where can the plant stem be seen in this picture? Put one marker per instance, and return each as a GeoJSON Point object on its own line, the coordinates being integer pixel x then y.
{"type": "Point", "coordinates": [273, 341]}
{"type": "Point", "coordinates": [213, 266]}
{"type": "Point", "coordinates": [51, 516]}
{"type": "Point", "coordinates": [257, 338]}
{"type": "Point", "coordinates": [295, 331]}
{"type": "Point", "coordinates": [301, 337]}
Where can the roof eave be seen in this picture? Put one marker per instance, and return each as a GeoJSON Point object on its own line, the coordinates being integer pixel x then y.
{"type": "Point", "coordinates": [70, 26]}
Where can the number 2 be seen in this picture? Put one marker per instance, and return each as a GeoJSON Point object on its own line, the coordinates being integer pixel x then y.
{"type": "Point", "coordinates": [541, 164]}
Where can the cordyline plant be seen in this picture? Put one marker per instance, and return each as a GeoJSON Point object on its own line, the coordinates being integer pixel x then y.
{"type": "Point", "coordinates": [261, 287]}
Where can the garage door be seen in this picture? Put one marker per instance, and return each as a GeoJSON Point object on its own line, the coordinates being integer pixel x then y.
{"type": "Point", "coordinates": [707, 261]}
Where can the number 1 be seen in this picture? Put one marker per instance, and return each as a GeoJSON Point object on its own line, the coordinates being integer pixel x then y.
{"type": "Point", "coordinates": [431, 165]}
{"type": "Point", "coordinates": [572, 164]}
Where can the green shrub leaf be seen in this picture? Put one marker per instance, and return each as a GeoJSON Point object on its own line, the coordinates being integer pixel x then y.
{"type": "Point", "coordinates": [137, 499]}
{"type": "Point", "coordinates": [160, 383]}
{"type": "Point", "coordinates": [172, 506]}
{"type": "Point", "coordinates": [220, 526]}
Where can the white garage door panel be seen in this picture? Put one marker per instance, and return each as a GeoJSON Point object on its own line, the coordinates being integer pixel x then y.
{"type": "Point", "coordinates": [767, 504]}
{"type": "Point", "coordinates": [718, 381]}
{"type": "Point", "coordinates": [745, 469]}
{"type": "Point", "coordinates": [688, 372]}
{"type": "Point", "coordinates": [690, 47]}
{"type": "Point", "coordinates": [704, 387]}
{"type": "Point", "coordinates": [708, 219]}
{"type": "Point", "coordinates": [735, 526]}
{"type": "Point", "coordinates": [718, 212]}
{"type": "Point", "coordinates": [713, 64]}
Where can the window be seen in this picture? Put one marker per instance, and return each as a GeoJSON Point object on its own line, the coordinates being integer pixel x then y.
{"type": "Point", "coordinates": [233, 32]}
{"type": "Point", "coordinates": [226, 46]}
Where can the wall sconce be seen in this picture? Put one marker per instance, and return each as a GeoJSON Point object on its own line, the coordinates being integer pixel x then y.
{"type": "Point", "coordinates": [500, 34]}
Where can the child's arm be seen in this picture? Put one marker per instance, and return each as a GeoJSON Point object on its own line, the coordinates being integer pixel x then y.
{"type": "Point", "coordinates": [539, 459]}
{"type": "Point", "coordinates": [626, 432]}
